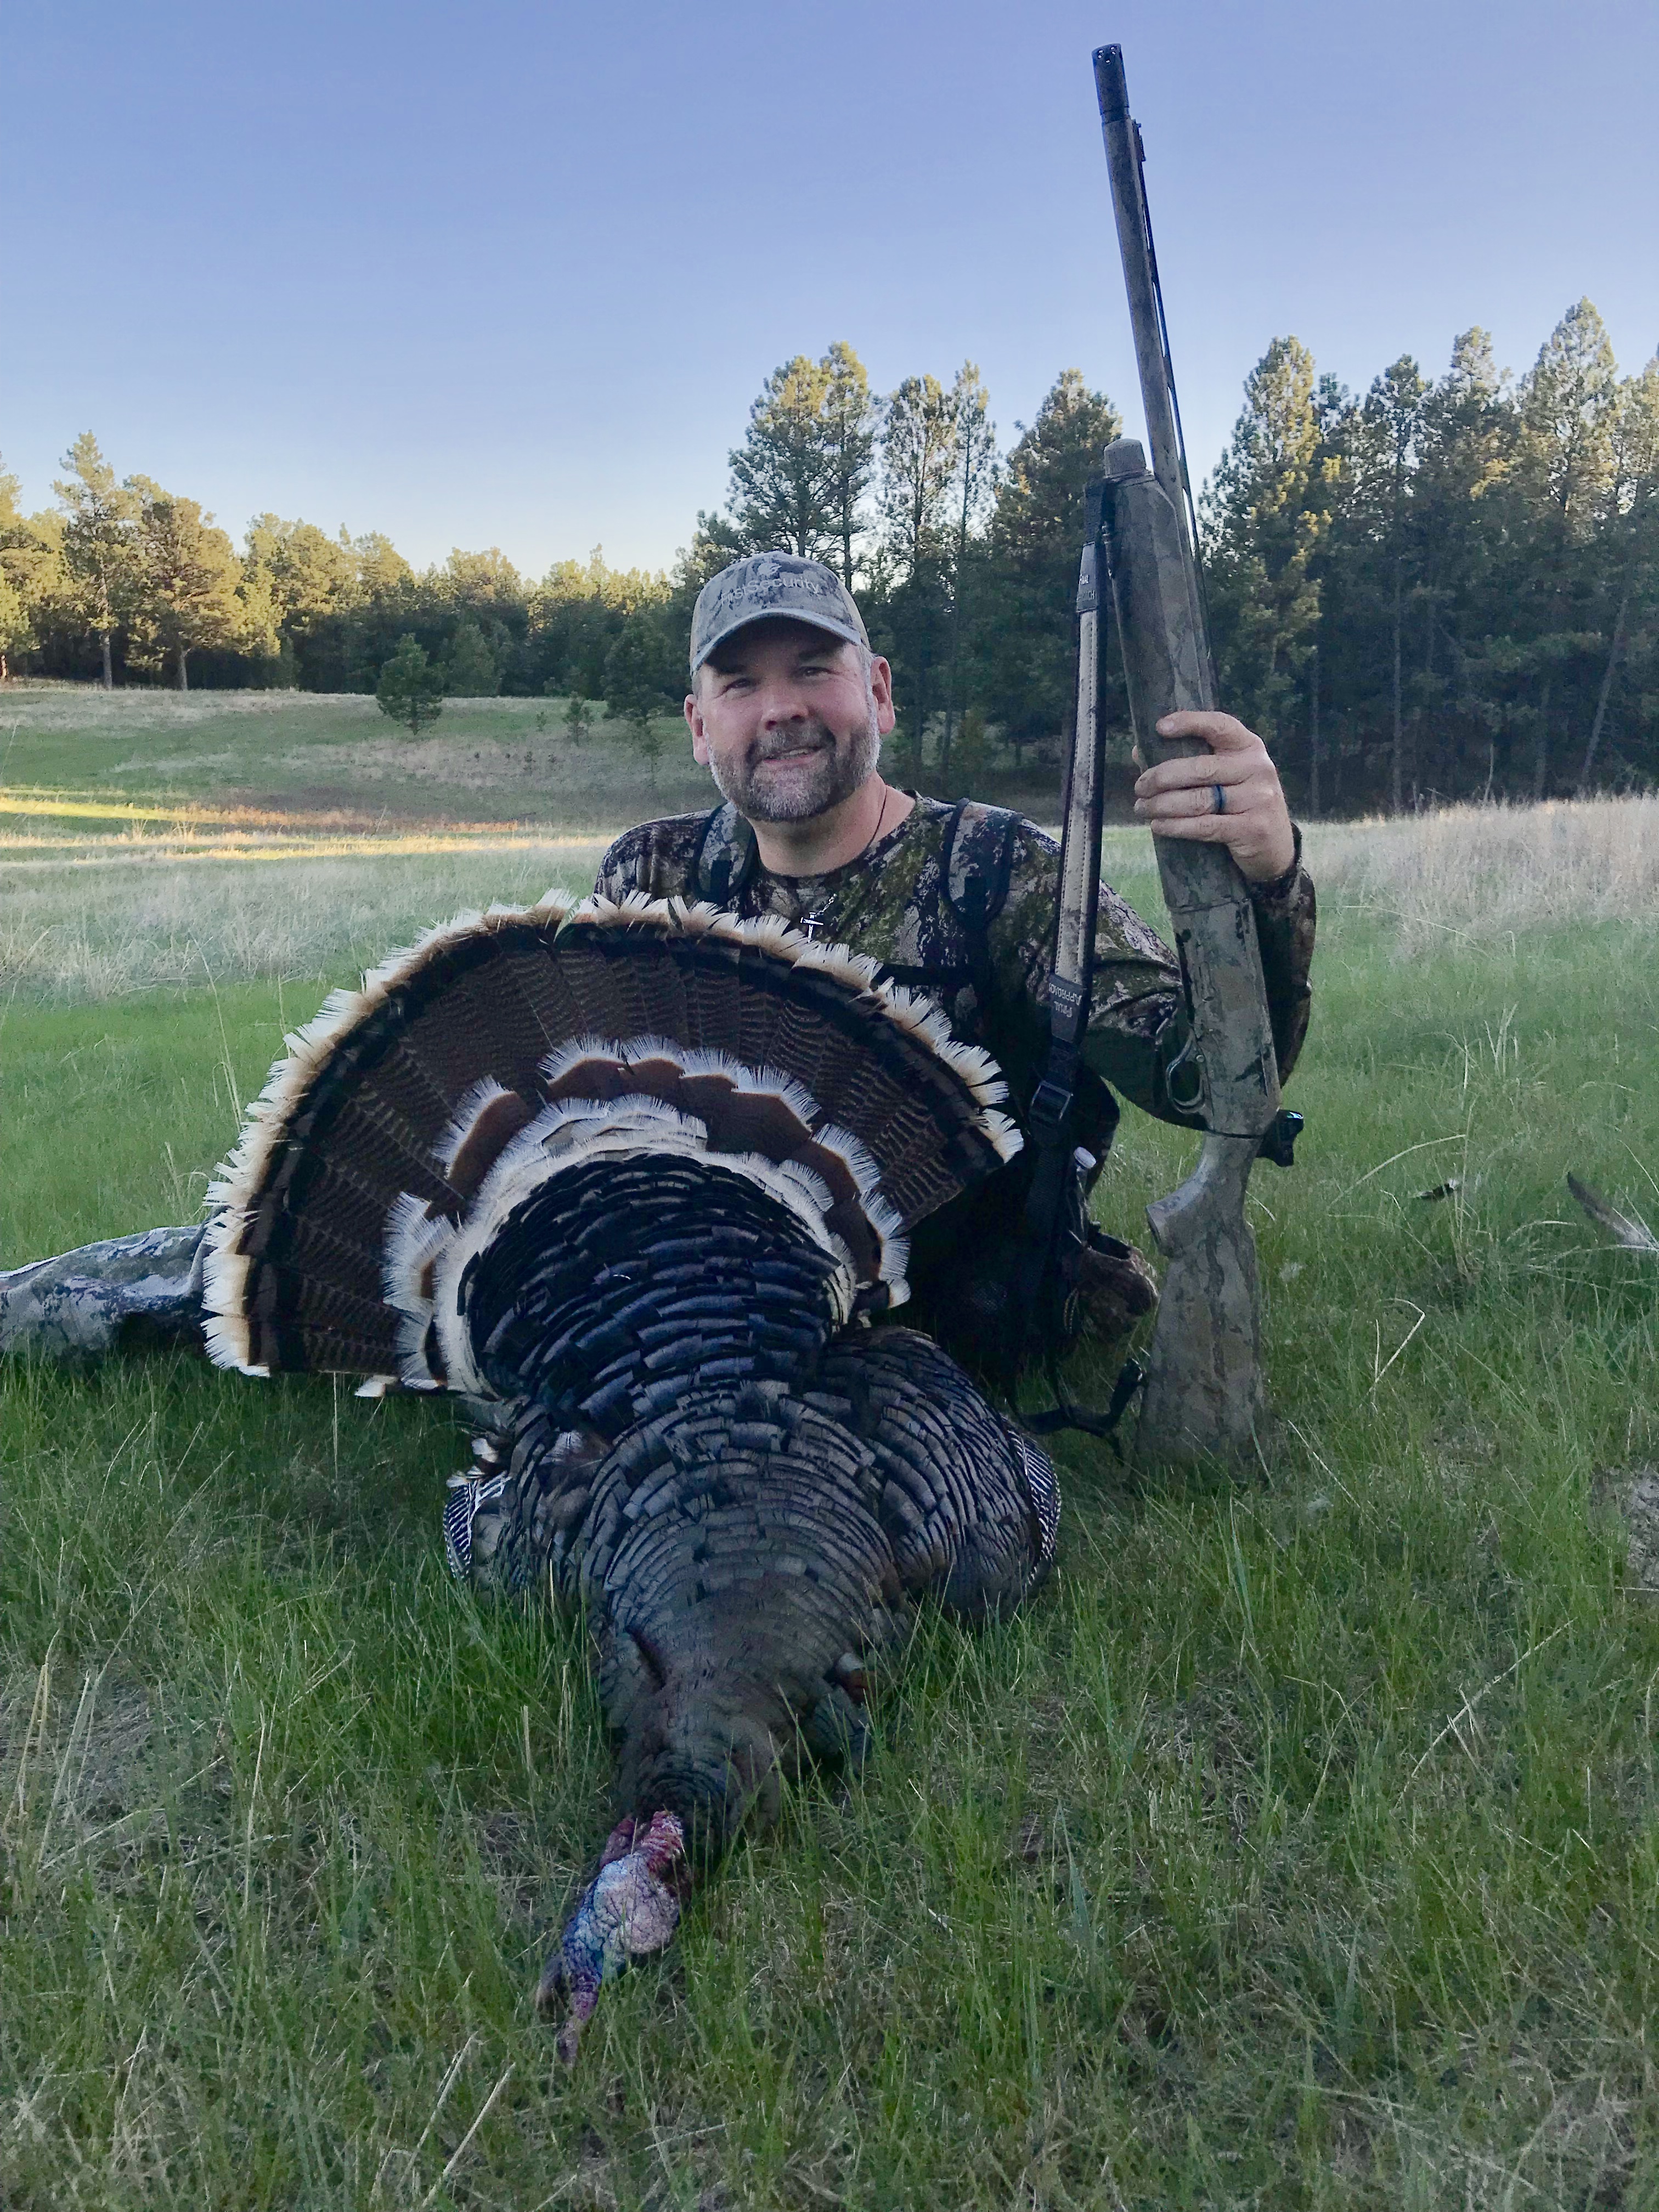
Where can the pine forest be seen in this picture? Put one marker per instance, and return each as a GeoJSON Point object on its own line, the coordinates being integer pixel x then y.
{"type": "Point", "coordinates": [1438, 589]}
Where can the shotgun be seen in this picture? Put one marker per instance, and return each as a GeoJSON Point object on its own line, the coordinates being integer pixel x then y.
{"type": "Point", "coordinates": [1204, 1392]}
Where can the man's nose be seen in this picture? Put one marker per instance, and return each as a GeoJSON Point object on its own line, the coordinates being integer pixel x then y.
{"type": "Point", "coordinates": [782, 700]}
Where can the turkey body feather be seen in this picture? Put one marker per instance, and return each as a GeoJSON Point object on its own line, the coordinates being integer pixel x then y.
{"type": "Point", "coordinates": [640, 1176]}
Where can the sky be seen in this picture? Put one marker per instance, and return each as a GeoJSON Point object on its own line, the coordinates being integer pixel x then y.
{"type": "Point", "coordinates": [511, 274]}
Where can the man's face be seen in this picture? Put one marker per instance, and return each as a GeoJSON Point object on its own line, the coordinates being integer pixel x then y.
{"type": "Point", "coordinates": [784, 720]}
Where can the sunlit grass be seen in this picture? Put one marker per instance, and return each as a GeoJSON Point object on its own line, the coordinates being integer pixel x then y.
{"type": "Point", "coordinates": [119, 831]}
{"type": "Point", "coordinates": [99, 931]}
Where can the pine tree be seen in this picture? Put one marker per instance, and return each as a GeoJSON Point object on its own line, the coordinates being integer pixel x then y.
{"type": "Point", "coordinates": [471, 669]}
{"type": "Point", "coordinates": [1465, 447]}
{"type": "Point", "coordinates": [1631, 531]}
{"type": "Point", "coordinates": [186, 596]}
{"type": "Point", "coordinates": [782, 494]}
{"type": "Point", "coordinates": [411, 690]}
{"type": "Point", "coordinates": [1569, 405]}
{"type": "Point", "coordinates": [1569, 412]}
{"type": "Point", "coordinates": [970, 758]}
{"type": "Point", "coordinates": [100, 543]}
{"type": "Point", "coordinates": [382, 571]}
{"type": "Point", "coordinates": [1035, 535]}
{"type": "Point", "coordinates": [576, 613]}
{"type": "Point", "coordinates": [1265, 509]}
{"type": "Point", "coordinates": [919, 450]}
{"type": "Point", "coordinates": [641, 681]}
{"type": "Point", "coordinates": [850, 421]}
{"type": "Point", "coordinates": [974, 482]}
{"type": "Point", "coordinates": [18, 548]}
{"type": "Point", "coordinates": [919, 453]}
{"type": "Point", "coordinates": [1389, 424]}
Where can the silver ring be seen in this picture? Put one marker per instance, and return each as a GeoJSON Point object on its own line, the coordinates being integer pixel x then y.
{"type": "Point", "coordinates": [1218, 799]}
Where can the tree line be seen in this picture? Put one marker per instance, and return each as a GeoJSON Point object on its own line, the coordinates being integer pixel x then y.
{"type": "Point", "coordinates": [1431, 590]}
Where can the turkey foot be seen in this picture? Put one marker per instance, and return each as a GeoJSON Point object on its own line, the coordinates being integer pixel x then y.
{"type": "Point", "coordinates": [630, 1909]}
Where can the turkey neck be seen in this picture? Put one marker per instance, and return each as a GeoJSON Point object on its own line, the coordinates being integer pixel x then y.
{"type": "Point", "coordinates": [732, 1552]}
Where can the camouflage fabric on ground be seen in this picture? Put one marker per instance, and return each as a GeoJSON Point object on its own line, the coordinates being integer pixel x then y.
{"type": "Point", "coordinates": [84, 1302]}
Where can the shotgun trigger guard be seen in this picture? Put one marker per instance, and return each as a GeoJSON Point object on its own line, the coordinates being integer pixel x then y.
{"type": "Point", "coordinates": [1188, 1062]}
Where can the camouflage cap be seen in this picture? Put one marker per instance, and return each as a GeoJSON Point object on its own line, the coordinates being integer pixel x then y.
{"type": "Point", "coordinates": [773, 584]}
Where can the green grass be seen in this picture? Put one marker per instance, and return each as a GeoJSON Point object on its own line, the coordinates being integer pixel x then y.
{"type": "Point", "coordinates": [1298, 1847]}
{"type": "Point", "coordinates": [508, 759]}
{"type": "Point", "coordinates": [502, 759]}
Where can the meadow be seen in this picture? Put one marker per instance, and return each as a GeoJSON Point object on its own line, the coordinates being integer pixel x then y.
{"type": "Point", "coordinates": [1298, 1847]}
{"type": "Point", "coordinates": [483, 757]}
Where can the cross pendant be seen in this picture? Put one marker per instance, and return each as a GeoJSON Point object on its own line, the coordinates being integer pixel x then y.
{"type": "Point", "coordinates": [809, 925]}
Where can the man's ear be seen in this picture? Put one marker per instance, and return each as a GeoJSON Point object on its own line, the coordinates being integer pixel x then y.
{"type": "Point", "coordinates": [693, 723]}
{"type": "Point", "coordinates": [881, 690]}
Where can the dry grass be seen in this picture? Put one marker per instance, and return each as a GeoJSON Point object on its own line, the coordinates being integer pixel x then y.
{"type": "Point", "coordinates": [83, 932]}
{"type": "Point", "coordinates": [101, 897]}
{"type": "Point", "coordinates": [1493, 871]}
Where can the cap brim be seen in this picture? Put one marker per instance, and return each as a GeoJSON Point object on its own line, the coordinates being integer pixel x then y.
{"type": "Point", "coordinates": [777, 614]}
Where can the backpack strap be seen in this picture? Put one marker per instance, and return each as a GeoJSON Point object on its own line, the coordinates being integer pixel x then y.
{"type": "Point", "coordinates": [976, 862]}
{"type": "Point", "coordinates": [726, 857]}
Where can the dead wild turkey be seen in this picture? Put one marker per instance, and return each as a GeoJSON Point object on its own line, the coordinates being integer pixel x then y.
{"type": "Point", "coordinates": [640, 1176]}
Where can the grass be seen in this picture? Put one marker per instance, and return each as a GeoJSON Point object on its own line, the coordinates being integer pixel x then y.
{"type": "Point", "coordinates": [324, 751]}
{"type": "Point", "coordinates": [1298, 1848]}
{"type": "Point", "coordinates": [325, 754]}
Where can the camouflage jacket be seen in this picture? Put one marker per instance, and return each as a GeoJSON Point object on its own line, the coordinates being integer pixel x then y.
{"type": "Point", "coordinates": [960, 901]}
{"type": "Point", "coordinates": [909, 902]}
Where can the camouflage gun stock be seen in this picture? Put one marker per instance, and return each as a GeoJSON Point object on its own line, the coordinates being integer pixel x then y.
{"type": "Point", "coordinates": [1204, 1388]}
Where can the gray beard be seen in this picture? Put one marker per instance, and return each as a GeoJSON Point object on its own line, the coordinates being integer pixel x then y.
{"type": "Point", "coordinates": [842, 766]}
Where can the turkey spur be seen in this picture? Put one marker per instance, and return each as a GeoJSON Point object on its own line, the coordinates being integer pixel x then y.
{"type": "Point", "coordinates": [641, 1176]}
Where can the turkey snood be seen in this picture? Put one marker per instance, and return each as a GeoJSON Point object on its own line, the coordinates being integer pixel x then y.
{"type": "Point", "coordinates": [640, 1178]}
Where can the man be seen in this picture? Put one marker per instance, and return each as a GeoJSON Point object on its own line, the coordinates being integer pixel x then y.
{"type": "Point", "coordinates": [787, 709]}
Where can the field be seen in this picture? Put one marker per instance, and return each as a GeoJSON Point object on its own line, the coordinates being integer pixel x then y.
{"type": "Point", "coordinates": [484, 757]}
{"type": "Point", "coordinates": [1299, 1847]}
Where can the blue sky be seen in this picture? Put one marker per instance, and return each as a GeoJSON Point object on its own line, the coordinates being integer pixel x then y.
{"type": "Point", "coordinates": [511, 274]}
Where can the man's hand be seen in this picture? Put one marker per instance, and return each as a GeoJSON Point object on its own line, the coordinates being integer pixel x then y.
{"type": "Point", "coordinates": [1177, 799]}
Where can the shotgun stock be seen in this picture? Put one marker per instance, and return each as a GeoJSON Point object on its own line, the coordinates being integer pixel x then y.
{"type": "Point", "coordinates": [1203, 1386]}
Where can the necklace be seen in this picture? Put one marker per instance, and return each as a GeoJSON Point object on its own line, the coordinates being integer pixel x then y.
{"type": "Point", "coordinates": [809, 924]}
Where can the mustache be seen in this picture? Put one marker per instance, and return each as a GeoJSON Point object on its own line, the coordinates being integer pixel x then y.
{"type": "Point", "coordinates": [802, 737]}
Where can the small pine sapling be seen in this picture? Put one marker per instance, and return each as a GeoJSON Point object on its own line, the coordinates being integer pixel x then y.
{"type": "Point", "coordinates": [411, 688]}
{"type": "Point", "coordinates": [636, 675]}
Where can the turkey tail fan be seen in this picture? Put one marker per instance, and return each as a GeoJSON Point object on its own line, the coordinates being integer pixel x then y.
{"type": "Point", "coordinates": [347, 1125]}
{"type": "Point", "coordinates": [540, 1120]}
